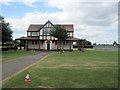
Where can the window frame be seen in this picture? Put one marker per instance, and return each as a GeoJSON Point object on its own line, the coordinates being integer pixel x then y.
{"type": "Point", "coordinates": [35, 34]}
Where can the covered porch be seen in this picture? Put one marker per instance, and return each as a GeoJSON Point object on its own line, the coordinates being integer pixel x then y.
{"type": "Point", "coordinates": [23, 42]}
{"type": "Point", "coordinates": [79, 42]}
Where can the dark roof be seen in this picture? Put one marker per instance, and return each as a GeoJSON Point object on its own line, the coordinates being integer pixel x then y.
{"type": "Point", "coordinates": [27, 38]}
{"type": "Point", "coordinates": [68, 27]}
{"type": "Point", "coordinates": [36, 27]}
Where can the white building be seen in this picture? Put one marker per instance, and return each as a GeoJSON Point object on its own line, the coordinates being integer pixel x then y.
{"type": "Point", "coordinates": [38, 37]}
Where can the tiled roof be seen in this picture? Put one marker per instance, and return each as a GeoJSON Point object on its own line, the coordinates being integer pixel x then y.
{"type": "Point", "coordinates": [36, 27]}
{"type": "Point", "coordinates": [27, 38]}
{"type": "Point", "coordinates": [68, 27]}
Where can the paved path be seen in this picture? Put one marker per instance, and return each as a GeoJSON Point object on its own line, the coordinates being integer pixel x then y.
{"type": "Point", "coordinates": [11, 67]}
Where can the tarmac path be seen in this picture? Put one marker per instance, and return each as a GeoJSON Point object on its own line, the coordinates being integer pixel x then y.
{"type": "Point", "coordinates": [11, 67]}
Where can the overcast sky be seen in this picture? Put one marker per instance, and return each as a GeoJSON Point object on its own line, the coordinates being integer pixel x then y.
{"type": "Point", "coordinates": [93, 20]}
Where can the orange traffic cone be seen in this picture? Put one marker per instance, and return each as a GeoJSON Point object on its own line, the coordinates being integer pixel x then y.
{"type": "Point", "coordinates": [27, 78]}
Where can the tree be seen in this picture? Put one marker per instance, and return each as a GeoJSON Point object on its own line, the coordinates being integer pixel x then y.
{"type": "Point", "coordinates": [114, 43]}
{"type": "Point", "coordinates": [94, 44]}
{"type": "Point", "coordinates": [87, 42]}
{"type": "Point", "coordinates": [6, 31]}
{"type": "Point", "coordinates": [60, 33]}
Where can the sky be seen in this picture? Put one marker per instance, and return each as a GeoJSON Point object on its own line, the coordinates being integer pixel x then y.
{"type": "Point", "coordinates": [94, 20]}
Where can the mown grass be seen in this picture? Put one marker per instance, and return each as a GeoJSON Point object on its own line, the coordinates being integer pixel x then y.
{"type": "Point", "coordinates": [91, 69]}
{"type": "Point", "coordinates": [12, 55]}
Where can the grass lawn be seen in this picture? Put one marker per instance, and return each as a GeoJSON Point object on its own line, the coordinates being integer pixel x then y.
{"type": "Point", "coordinates": [11, 55]}
{"type": "Point", "coordinates": [91, 69]}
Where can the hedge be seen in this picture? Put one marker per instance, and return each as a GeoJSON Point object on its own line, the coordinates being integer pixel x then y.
{"type": "Point", "coordinates": [87, 46]}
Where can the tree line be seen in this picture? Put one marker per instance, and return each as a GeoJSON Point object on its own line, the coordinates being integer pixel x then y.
{"type": "Point", "coordinates": [5, 33]}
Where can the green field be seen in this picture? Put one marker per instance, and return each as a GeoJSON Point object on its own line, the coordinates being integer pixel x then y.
{"type": "Point", "coordinates": [91, 69]}
{"type": "Point", "coordinates": [12, 55]}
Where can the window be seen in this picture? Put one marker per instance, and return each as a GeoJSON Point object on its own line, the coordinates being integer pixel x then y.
{"type": "Point", "coordinates": [49, 25]}
{"type": "Point", "coordinates": [34, 33]}
{"type": "Point", "coordinates": [47, 30]}
{"type": "Point", "coordinates": [36, 42]}
{"type": "Point", "coordinates": [71, 34]}
{"type": "Point", "coordinates": [32, 42]}
{"type": "Point", "coordinates": [68, 34]}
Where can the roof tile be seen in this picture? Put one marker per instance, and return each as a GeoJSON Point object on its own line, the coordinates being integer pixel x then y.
{"type": "Point", "coordinates": [36, 27]}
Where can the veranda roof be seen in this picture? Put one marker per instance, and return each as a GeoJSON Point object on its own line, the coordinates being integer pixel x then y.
{"type": "Point", "coordinates": [27, 38]}
{"type": "Point", "coordinates": [36, 38]}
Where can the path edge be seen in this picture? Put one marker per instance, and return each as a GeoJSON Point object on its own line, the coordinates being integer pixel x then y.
{"type": "Point", "coordinates": [24, 68]}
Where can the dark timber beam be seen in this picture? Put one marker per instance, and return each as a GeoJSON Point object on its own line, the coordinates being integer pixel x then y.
{"type": "Point", "coordinates": [82, 46]}
{"type": "Point", "coordinates": [70, 45]}
{"type": "Point", "coordinates": [24, 45]}
{"type": "Point", "coordinates": [39, 44]}
{"type": "Point", "coordinates": [57, 44]}
{"type": "Point", "coordinates": [20, 45]}
{"type": "Point", "coordinates": [15, 44]}
{"type": "Point", "coordinates": [27, 45]}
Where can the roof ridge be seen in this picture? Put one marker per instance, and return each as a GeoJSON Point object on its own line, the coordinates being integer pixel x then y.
{"type": "Point", "coordinates": [53, 24]}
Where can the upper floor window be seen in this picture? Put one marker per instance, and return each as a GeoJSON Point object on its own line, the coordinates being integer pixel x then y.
{"type": "Point", "coordinates": [34, 33]}
{"type": "Point", "coordinates": [47, 30]}
{"type": "Point", "coordinates": [70, 34]}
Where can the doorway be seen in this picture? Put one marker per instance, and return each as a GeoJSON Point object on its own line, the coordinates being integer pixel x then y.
{"type": "Point", "coordinates": [48, 46]}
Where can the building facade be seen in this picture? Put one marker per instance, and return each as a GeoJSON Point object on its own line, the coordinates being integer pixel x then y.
{"type": "Point", "coordinates": [38, 37]}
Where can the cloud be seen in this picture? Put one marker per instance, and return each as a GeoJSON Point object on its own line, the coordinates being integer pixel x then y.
{"type": "Point", "coordinates": [26, 2]}
{"type": "Point", "coordinates": [92, 20]}
{"type": "Point", "coordinates": [30, 2]}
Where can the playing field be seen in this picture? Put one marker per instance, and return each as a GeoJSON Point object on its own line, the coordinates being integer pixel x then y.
{"type": "Point", "coordinates": [12, 55]}
{"type": "Point", "coordinates": [91, 69]}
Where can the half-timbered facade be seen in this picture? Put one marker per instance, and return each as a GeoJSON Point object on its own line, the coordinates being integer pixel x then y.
{"type": "Point", "coordinates": [38, 37]}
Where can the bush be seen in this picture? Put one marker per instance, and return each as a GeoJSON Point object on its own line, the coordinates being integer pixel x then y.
{"type": "Point", "coordinates": [8, 48]}
{"type": "Point", "coordinates": [86, 46]}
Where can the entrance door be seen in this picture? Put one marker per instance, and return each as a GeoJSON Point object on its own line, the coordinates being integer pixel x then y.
{"type": "Point", "coordinates": [48, 46]}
